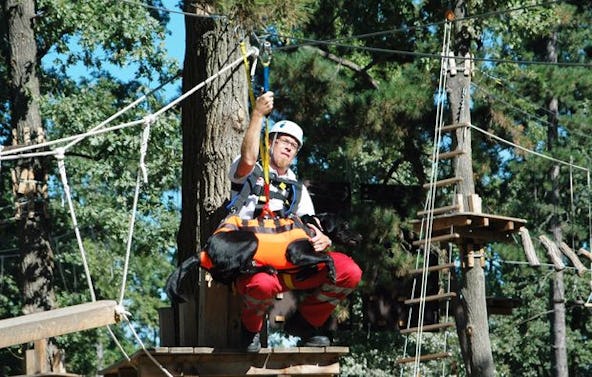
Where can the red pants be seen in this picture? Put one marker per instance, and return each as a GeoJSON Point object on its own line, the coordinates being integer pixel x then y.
{"type": "Point", "coordinates": [259, 290]}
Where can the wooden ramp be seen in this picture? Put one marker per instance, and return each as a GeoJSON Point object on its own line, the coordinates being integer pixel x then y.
{"type": "Point", "coordinates": [30, 327]}
{"type": "Point", "coordinates": [206, 361]}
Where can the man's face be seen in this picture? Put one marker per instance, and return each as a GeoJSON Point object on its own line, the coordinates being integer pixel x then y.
{"type": "Point", "coordinates": [283, 150]}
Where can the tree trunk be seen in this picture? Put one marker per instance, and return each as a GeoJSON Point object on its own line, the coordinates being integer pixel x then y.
{"type": "Point", "coordinates": [213, 120]}
{"type": "Point", "coordinates": [471, 317]}
{"type": "Point", "coordinates": [558, 329]}
{"type": "Point", "coordinates": [30, 174]}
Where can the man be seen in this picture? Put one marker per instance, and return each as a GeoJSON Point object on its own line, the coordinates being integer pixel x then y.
{"type": "Point", "coordinates": [260, 289]}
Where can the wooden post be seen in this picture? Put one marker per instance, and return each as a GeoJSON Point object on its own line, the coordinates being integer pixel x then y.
{"type": "Point", "coordinates": [474, 328]}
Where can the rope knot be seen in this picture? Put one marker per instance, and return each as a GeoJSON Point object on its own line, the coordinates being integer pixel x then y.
{"type": "Point", "coordinates": [149, 119]}
{"type": "Point", "coordinates": [120, 313]}
{"type": "Point", "coordinates": [60, 153]}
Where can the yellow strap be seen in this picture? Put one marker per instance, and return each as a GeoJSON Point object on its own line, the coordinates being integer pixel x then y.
{"type": "Point", "coordinates": [243, 48]}
{"type": "Point", "coordinates": [264, 145]}
{"type": "Point", "coordinates": [287, 278]}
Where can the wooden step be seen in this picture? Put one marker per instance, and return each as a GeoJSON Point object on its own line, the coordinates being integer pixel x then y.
{"type": "Point", "coordinates": [444, 182]}
{"type": "Point", "coordinates": [439, 267]}
{"type": "Point", "coordinates": [451, 154]}
{"type": "Point", "coordinates": [452, 127]}
{"type": "Point", "coordinates": [435, 326]}
{"type": "Point", "coordinates": [427, 357]}
{"type": "Point", "coordinates": [47, 324]}
{"type": "Point", "coordinates": [441, 210]}
{"type": "Point", "coordinates": [440, 297]}
{"type": "Point", "coordinates": [442, 238]}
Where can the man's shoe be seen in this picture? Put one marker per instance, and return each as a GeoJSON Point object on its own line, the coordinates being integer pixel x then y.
{"type": "Point", "coordinates": [309, 336]}
{"type": "Point", "coordinates": [317, 341]}
{"type": "Point", "coordinates": [252, 341]}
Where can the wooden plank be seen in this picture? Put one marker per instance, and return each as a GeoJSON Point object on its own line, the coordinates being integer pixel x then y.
{"type": "Point", "coordinates": [440, 297]}
{"type": "Point", "coordinates": [435, 326]}
{"type": "Point", "coordinates": [444, 182]}
{"type": "Point", "coordinates": [166, 322]}
{"type": "Point", "coordinates": [318, 370]}
{"type": "Point", "coordinates": [438, 211]}
{"type": "Point", "coordinates": [56, 322]}
{"type": "Point", "coordinates": [444, 223]}
{"type": "Point", "coordinates": [428, 357]}
{"type": "Point", "coordinates": [528, 247]}
{"type": "Point", "coordinates": [440, 267]}
{"type": "Point", "coordinates": [484, 235]}
{"type": "Point", "coordinates": [553, 252]}
{"type": "Point", "coordinates": [573, 258]}
{"type": "Point", "coordinates": [442, 238]}
{"type": "Point", "coordinates": [310, 361]}
{"type": "Point", "coordinates": [452, 127]}
{"type": "Point", "coordinates": [451, 154]}
{"type": "Point", "coordinates": [584, 252]}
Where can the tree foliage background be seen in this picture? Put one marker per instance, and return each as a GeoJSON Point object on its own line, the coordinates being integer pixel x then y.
{"type": "Point", "coordinates": [361, 77]}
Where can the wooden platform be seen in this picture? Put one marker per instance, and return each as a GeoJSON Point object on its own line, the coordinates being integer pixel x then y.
{"type": "Point", "coordinates": [205, 361]}
{"type": "Point", "coordinates": [481, 227]}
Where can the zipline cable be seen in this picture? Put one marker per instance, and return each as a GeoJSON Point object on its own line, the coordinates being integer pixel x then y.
{"type": "Point", "coordinates": [7, 154]}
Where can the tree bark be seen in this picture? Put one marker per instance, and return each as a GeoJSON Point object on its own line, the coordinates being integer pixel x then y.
{"type": "Point", "coordinates": [213, 121]}
{"type": "Point", "coordinates": [471, 316]}
{"type": "Point", "coordinates": [30, 174]}
{"type": "Point", "coordinates": [557, 288]}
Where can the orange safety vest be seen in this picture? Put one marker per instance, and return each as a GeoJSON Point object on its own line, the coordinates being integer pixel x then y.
{"type": "Point", "coordinates": [241, 246]}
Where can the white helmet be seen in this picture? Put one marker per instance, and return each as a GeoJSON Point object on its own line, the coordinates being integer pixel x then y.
{"type": "Point", "coordinates": [289, 128]}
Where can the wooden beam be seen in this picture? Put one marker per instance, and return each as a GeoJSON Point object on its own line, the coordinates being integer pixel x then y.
{"type": "Point", "coordinates": [573, 258]}
{"type": "Point", "coordinates": [223, 362]}
{"type": "Point", "coordinates": [553, 252]}
{"type": "Point", "coordinates": [30, 327]}
{"type": "Point", "coordinates": [444, 182]}
{"type": "Point", "coordinates": [451, 154]}
{"type": "Point", "coordinates": [584, 252]}
{"type": "Point", "coordinates": [529, 250]}
{"type": "Point", "coordinates": [433, 356]}
{"type": "Point", "coordinates": [440, 297]}
{"type": "Point", "coordinates": [437, 211]}
{"type": "Point", "coordinates": [439, 267]}
{"type": "Point", "coordinates": [442, 238]}
{"type": "Point", "coordinates": [426, 328]}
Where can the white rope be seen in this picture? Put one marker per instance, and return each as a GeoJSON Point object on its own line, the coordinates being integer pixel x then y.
{"type": "Point", "coordinates": [75, 139]}
{"type": "Point", "coordinates": [162, 369]}
{"type": "Point", "coordinates": [141, 173]}
{"type": "Point", "coordinates": [207, 81]}
{"type": "Point", "coordinates": [64, 177]}
{"type": "Point", "coordinates": [447, 305]}
{"type": "Point", "coordinates": [7, 155]}
{"type": "Point", "coordinates": [118, 344]}
{"type": "Point", "coordinates": [148, 121]}
{"type": "Point", "coordinates": [426, 224]}
{"type": "Point", "coordinates": [527, 150]}
{"type": "Point", "coordinates": [429, 218]}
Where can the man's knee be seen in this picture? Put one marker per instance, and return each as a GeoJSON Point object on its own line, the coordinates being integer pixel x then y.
{"type": "Point", "coordinates": [347, 270]}
{"type": "Point", "coordinates": [259, 286]}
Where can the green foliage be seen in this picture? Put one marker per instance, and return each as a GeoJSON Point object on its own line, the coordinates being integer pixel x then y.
{"type": "Point", "coordinates": [369, 118]}
{"type": "Point", "coordinates": [104, 38]}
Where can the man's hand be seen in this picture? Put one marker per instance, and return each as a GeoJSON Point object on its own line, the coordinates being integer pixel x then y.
{"type": "Point", "coordinates": [319, 241]}
{"type": "Point", "coordinates": [263, 104]}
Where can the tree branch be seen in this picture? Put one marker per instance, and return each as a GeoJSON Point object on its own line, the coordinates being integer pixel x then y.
{"type": "Point", "coordinates": [346, 63]}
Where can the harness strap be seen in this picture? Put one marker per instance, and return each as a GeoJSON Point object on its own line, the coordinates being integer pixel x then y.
{"type": "Point", "coordinates": [292, 188]}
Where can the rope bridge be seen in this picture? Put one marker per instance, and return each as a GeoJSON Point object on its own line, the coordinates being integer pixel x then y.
{"type": "Point", "coordinates": [97, 313]}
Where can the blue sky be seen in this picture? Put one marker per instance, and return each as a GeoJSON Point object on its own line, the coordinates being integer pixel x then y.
{"type": "Point", "coordinates": [174, 42]}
